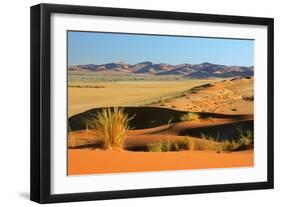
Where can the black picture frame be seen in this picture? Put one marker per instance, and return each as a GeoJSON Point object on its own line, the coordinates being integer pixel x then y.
{"type": "Point", "coordinates": [41, 97]}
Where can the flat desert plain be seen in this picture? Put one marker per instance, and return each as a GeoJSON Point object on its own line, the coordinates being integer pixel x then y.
{"type": "Point", "coordinates": [125, 93]}
{"type": "Point", "coordinates": [161, 137]}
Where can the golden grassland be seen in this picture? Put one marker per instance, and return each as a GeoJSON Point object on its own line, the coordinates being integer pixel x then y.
{"type": "Point", "coordinates": [82, 96]}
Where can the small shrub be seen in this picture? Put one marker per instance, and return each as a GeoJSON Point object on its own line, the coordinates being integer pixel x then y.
{"type": "Point", "coordinates": [190, 116]}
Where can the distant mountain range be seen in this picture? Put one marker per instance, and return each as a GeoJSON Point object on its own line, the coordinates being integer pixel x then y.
{"type": "Point", "coordinates": [203, 70]}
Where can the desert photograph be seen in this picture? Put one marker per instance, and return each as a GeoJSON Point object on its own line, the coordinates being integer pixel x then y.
{"type": "Point", "coordinates": [144, 103]}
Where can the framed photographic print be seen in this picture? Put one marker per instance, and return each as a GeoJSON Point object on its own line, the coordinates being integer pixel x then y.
{"type": "Point", "coordinates": [133, 103]}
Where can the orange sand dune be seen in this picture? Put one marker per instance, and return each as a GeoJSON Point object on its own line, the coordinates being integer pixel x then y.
{"type": "Point", "coordinates": [90, 161]}
{"type": "Point", "coordinates": [81, 161]}
{"type": "Point", "coordinates": [174, 131]}
{"type": "Point", "coordinates": [227, 96]}
{"type": "Point", "coordinates": [176, 128]}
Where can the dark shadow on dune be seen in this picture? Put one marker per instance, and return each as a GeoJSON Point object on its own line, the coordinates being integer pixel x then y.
{"type": "Point", "coordinates": [144, 117]}
{"type": "Point", "coordinates": [142, 148]}
{"type": "Point", "coordinates": [221, 132]}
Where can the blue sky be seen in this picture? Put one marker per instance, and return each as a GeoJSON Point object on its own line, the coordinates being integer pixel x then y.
{"type": "Point", "coordinates": [100, 48]}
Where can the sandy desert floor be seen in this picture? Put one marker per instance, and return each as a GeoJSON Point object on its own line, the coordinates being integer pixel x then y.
{"type": "Point", "coordinates": [98, 161]}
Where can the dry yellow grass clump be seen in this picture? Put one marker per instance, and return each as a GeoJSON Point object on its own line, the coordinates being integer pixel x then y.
{"type": "Point", "coordinates": [190, 116]}
{"type": "Point", "coordinates": [204, 143]}
{"type": "Point", "coordinates": [186, 143]}
{"type": "Point", "coordinates": [167, 145]}
{"type": "Point", "coordinates": [111, 125]}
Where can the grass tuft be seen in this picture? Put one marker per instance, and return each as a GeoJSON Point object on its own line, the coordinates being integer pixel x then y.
{"type": "Point", "coordinates": [205, 143]}
{"type": "Point", "coordinates": [229, 146]}
{"type": "Point", "coordinates": [190, 116]}
{"type": "Point", "coordinates": [159, 146]}
{"type": "Point", "coordinates": [111, 126]}
{"type": "Point", "coordinates": [167, 145]}
{"type": "Point", "coordinates": [246, 140]}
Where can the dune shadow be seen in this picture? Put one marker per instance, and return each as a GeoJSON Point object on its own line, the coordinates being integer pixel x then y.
{"type": "Point", "coordinates": [221, 132]}
{"type": "Point", "coordinates": [144, 117]}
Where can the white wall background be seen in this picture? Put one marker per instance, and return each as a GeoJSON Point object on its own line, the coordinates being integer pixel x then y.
{"type": "Point", "coordinates": [14, 101]}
